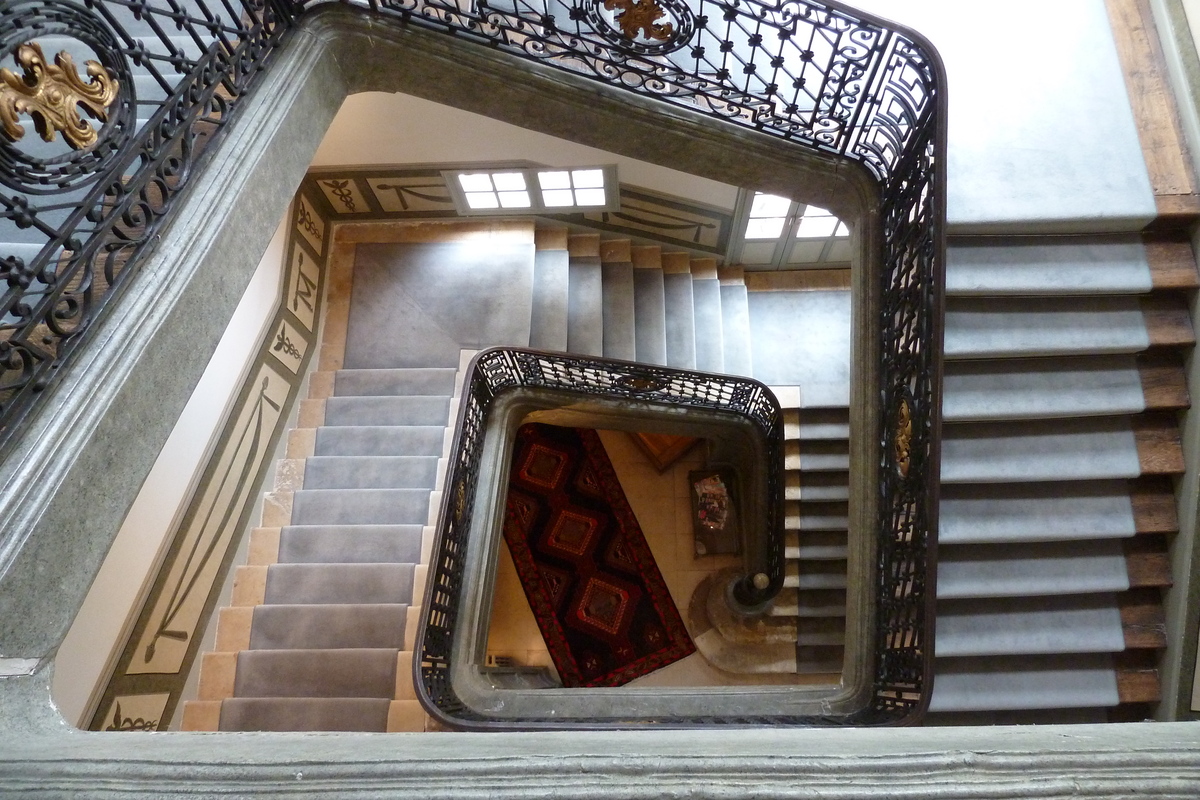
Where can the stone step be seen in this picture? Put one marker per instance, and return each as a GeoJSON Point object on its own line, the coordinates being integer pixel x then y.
{"type": "Point", "coordinates": [360, 507]}
{"type": "Point", "coordinates": [1031, 569]}
{"type": "Point", "coordinates": [1051, 265]}
{"type": "Point", "coordinates": [352, 672]}
{"type": "Point", "coordinates": [809, 603]}
{"type": "Point", "coordinates": [649, 310]}
{"type": "Point", "coordinates": [816, 423]}
{"type": "Point", "coordinates": [1032, 512]}
{"type": "Point", "coordinates": [1042, 388]}
{"type": "Point", "coordinates": [1036, 326]}
{"type": "Point", "coordinates": [735, 323]}
{"type": "Point", "coordinates": [585, 314]}
{"type": "Point", "coordinates": [328, 627]}
{"type": "Point", "coordinates": [830, 516]}
{"type": "Point", "coordinates": [370, 472]}
{"type": "Point", "coordinates": [997, 683]}
{"type": "Point", "coordinates": [402, 410]}
{"type": "Point", "coordinates": [366, 382]}
{"type": "Point", "coordinates": [353, 583]}
{"type": "Point", "coordinates": [618, 312]}
{"type": "Point", "coordinates": [814, 546]}
{"type": "Point", "coordinates": [305, 714]}
{"type": "Point", "coordinates": [372, 440]}
{"type": "Point", "coordinates": [817, 455]}
{"type": "Point", "coordinates": [680, 311]}
{"type": "Point", "coordinates": [548, 329]}
{"type": "Point", "coordinates": [817, 486]}
{"type": "Point", "coordinates": [1039, 450]}
{"type": "Point", "coordinates": [1029, 625]}
{"type": "Point", "coordinates": [327, 544]}
{"type": "Point", "coordinates": [708, 316]}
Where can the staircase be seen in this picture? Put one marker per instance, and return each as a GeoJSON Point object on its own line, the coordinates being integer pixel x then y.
{"type": "Point", "coordinates": [1063, 370]}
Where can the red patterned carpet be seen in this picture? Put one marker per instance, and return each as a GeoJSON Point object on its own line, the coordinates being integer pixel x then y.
{"type": "Point", "coordinates": [598, 597]}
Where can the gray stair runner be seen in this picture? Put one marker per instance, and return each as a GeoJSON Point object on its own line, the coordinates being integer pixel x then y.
{"type": "Point", "coordinates": [551, 300]}
{"type": "Point", "coordinates": [649, 311]}
{"type": "Point", "coordinates": [585, 318]}
{"type": "Point", "coordinates": [324, 644]}
{"type": "Point", "coordinates": [619, 320]}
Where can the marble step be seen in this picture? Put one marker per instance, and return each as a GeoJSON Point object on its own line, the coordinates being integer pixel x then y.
{"type": "Point", "coordinates": [817, 486]}
{"type": "Point", "coordinates": [618, 312]}
{"type": "Point", "coordinates": [1029, 625]}
{"type": "Point", "coordinates": [401, 410]}
{"type": "Point", "coordinates": [1000, 683]}
{"type": "Point", "coordinates": [814, 546]}
{"type": "Point", "coordinates": [828, 516]}
{"type": "Point", "coordinates": [1042, 388]}
{"type": "Point", "coordinates": [649, 310]}
{"type": "Point", "coordinates": [817, 455]}
{"type": "Point", "coordinates": [360, 507]}
{"type": "Point", "coordinates": [1047, 265]}
{"type": "Point", "coordinates": [352, 583]}
{"type": "Point", "coordinates": [1033, 512]}
{"type": "Point", "coordinates": [816, 423]}
{"type": "Point", "coordinates": [585, 315]}
{"type": "Point", "coordinates": [326, 544]}
{"type": "Point", "coordinates": [1031, 569]}
{"type": "Point", "coordinates": [373, 440]}
{"type": "Point", "coordinates": [548, 328]}
{"type": "Point", "coordinates": [1038, 326]}
{"type": "Point", "coordinates": [680, 312]}
{"type": "Point", "coordinates": [708, 317]}
{"type": "Point", "coordinates": [347, 672]}
{"type": "Point", "coordinates": [370, 472]}
{"type": "Point", "coordinates": [410, 382]}
{"type": "Point", "coordinates": [735, 323]}
{"type": "Point", "coordinates": [328, 626]}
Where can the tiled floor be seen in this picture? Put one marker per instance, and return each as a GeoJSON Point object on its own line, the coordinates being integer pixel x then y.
{"type": "Point", "coordinates": [668, 530]}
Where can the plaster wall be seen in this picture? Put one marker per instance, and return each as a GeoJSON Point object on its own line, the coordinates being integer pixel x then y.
{"type": "Point", "coordinates": [91, 646]}
{"type": "Point", "coordinates": [374, 128]}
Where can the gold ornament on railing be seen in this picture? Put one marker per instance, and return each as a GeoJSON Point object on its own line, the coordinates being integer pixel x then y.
{"type": "Point", "coordinates": [635, 17]}
{"type": "Point", "coordinates": [52, 95]}
{"type": "Point", "coordinates": [903, 438]}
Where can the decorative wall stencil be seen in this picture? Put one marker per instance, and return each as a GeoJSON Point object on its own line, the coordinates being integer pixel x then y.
{"type": "Point", "coordinates": [136, 712]}
{"type": "Point", "coordinates": [344, 196]}
{"type": "Point", "coordinates": [421, 193]}
{"type": "Point", "coordinates": [158, 654]}
{"type": "Point", "coordinates": [52, 94]}
{"type": "Point", "coordinates": [301, 294]}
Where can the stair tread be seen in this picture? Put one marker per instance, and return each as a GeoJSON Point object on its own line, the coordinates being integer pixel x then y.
{"type": "Point", "coordinates": [360, 506]}
{"type": "Point", "coordinates": [324, 544]}
{"type": "Point", "coordinates": [1024, 682]}
{"type": "Point", "coordinates": [735, 330]}
{"type": "Point", "coordinates": [649, 310]}
{"type": "Point", "coordinates": [349, 672]}
{"type": "Point", "coordinates": [304, 714]}
{"type": "Point", "coordinates": [1047, 265]}
{"type": "Point", "coordinates": [1042, 388]}
{"type": "Point", "coordinates": [1031, 569]}
{"type": "Point", "coordinates": [386, 410]}
{"type": "Point", "coordinates": [1035, 326]}
{"type": "Point", "coordinates": [585, 315]}
{"type": "Point", "coordinates": [413, 381]}
{"type": "Point", "coordinates": [680, 320]}
{"type": "Point", "coordinates": [370, 472]}
{"type": "Point", "coordinates": [551, 300]}
{"type": "Point", "coordinates": [1029, 625]}
{"type": "Point", "coordinates": [326, 626]}
{"type": "Point", "coordinates": [1039, 450]}
{"type": "Point", "coordinates": [353, 583]}
{"type": "Point", "coordinates": [618, 311]}
{"type": "Point", "coordinates": [707, 315]}
{"type": "Point", "coordinates": [1035, 512]}
{"type": "Point", "coordinates": [383, 440]}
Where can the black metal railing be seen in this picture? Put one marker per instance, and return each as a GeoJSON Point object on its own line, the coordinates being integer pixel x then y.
{"type": "Point", "coordinates": [495, 372]}
{"type": "Point", "coordinates": [82, 212]}
{"type": "Point", "coordinates": [817, 74]}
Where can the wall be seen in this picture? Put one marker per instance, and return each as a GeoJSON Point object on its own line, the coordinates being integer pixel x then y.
{"type": "Point", "coordinates": [385, 128]}
{"type": "Point", "coordinates": [87, 654]}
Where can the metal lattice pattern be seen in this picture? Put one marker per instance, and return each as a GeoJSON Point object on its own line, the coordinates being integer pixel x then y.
{"type": "Point", "coordinates": [79, 216]}
{"type": "Point", "coordinates": [79, 219]}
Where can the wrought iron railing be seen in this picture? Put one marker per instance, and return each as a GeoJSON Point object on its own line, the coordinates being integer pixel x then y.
{"type": "Point", "coordinates": [817, 74]}
{"type": "Point", "coordinates": [156, 81]}
{"type": "Point", "coordinates": [496, 372]}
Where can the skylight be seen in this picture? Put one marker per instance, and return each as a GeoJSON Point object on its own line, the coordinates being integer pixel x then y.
{"type": "Point", "coordinates": [782, 233]}
{"type": "Point", "coordinates": [548, 190]}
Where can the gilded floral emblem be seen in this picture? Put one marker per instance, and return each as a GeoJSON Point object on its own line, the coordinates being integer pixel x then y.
{"type": "Point", "coordinates": [53, 94]}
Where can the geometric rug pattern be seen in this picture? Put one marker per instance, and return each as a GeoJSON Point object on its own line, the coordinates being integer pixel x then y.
{"type": "Point", "coordinates": [599, 599]}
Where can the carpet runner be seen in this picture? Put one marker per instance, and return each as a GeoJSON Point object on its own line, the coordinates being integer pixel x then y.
{"type": "Point", "coordinates": [599, 599]}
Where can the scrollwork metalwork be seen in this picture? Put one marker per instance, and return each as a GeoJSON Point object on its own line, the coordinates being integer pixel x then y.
{"type": "Point", "coordinates": [52, 94]}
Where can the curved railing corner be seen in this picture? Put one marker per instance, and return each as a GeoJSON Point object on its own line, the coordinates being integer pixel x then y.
{"type": "Point", "coordinates": [91, 182]}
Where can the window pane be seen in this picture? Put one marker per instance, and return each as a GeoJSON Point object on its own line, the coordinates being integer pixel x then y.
{"type": "Point", "coordinates": [588, 178]}
{"type": "Point", "coordinates": [558, 197]}
{"type": "Point", "coordinates": [509, 181]}
{"type": "Point", "coordinates": [589, 197]}
{"type": "Point", "coordinates": [816, 211]}
{"type": "Point", "coordinates": [482, 200]}
{"type": "Point", "coordinates": [475, 182]}
{"type": "Point", "coordinates": [769, 205]}
{"type": "Point", "coordinates": [514, 199]}
{"type": "Point", "coordinates": [813, 227]}
{"type": "Point", "coordinates": [769, 228]}
{"type": "Point", "coordinates": [842, 230]}
{"type": "Point", "coordinates": [555, 180]}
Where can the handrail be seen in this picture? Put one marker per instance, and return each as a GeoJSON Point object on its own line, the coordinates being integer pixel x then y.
{"type": "Point", "coordinates": [818, 74]}
{"type": "Point", "coordinates": [501, 370]}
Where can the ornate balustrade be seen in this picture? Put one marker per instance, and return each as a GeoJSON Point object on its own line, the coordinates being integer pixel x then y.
{"type": "Point", "coordinates": [163, 77]}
